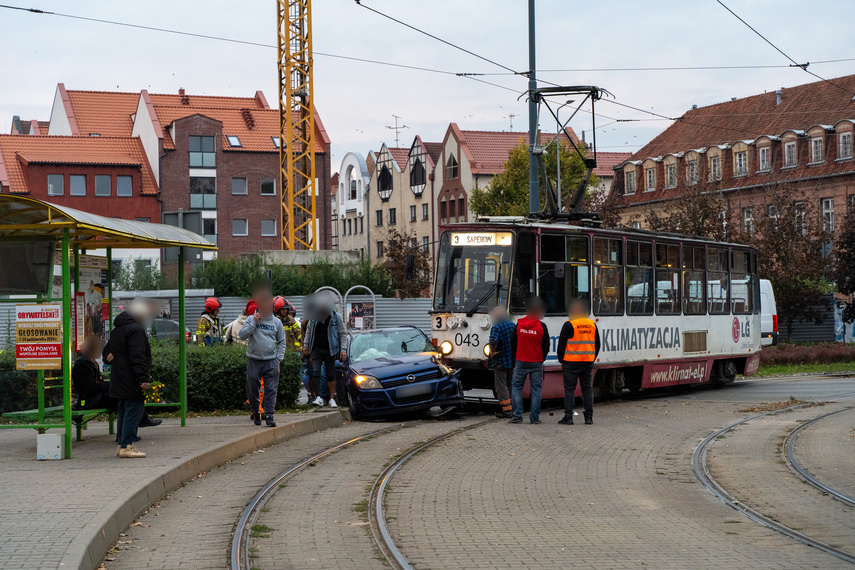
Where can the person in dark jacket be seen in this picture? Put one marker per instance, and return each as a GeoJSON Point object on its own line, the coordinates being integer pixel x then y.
{"type": "Point", "coordinates": [578, 348]}
{"type": "Point", "coordinates": [129, 353]}
{"type": "Point", "coordinates": [531, 346]}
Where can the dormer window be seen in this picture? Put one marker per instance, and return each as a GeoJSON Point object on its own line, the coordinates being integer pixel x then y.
{"type": "Point", "coordinates": [715, 168]}
{"type": "Point", "coordinates": [671, 176]}
{"type": "Point", "coordinates": [451, 168]}
{"type": "Point", "coordinates": [630, 183]}
{"type": "Point", "coordinates": [790, 154]}
{"type": "Point", "coordinates": [845, 145]}
{"type": "Point", "coordinates": [234, 141]}
{"type": "Point", "coordinates": [384, 183]}
{"type": "Point", "coordinates": [650, 174]}
{"type": "Point", "coordinates": [276, 142]}
{"type": "Point", "coordinates": [765, 158]}
{"type": "Point", "coordinates": [816, 149]}
{"type": "Point", "coordinates": [692, 172]}
{"type": "Point", "coordinates": [741, 159]}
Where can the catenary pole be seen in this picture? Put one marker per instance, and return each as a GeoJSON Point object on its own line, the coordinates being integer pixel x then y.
{"type": "Point", "coordinates": [182, 343]}
{"type": "Point", "coordinates": [533, 183]}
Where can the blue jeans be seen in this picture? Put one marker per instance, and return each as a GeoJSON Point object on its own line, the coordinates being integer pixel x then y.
{"type": "Point", "coordinates": [128, 416]}
{"type": "Point", "coordinates": [534, 371]}
{"type": "Point", "coordinates": [324, 390]}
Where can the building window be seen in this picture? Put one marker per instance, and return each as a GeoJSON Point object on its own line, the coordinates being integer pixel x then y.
{"type": "Point", "coordinates": [741, 163]}
{"type": "Point", "coordinates": [461, 207]}
{"type": "Point", "coordinates": [209, 229]}
{"type": "Point", "coordinates": [55, 184]}
{"type": "Point", "coordinates": [845, 145]}
{"type": "Point", "coordinates": [379, 217]}
{"type": "Point", "coordinates": [361, 228]}
{"type": "Point", "coordinates": [418, 176]}
{"type": "Point", "coordinates": [424, 211]}
{"type": "Point", "coordinates": [671, 175]}
{"type": "Point", "coordinates": [692, 172]}
{"type": "Point", "coordinates": [240, 227]}
{"type": "Point", "coordinates": [413, 214]}
{"type": "Point", "coordinates": [851, 202]}
{"type": "Point", "coordinates": [103, 185]}
{"type": "Point", "coordinates": [816, 149]}
{"type": "Point", "coordinates": [77, 185]}
{"type": "Point", "coordinates": [203, 193]}
{"type": "Point", "coordinates": [799, 207]}
{"type": "Point", "coordinates": [202, 153]}
{"type": "Point", "coordinates": [380, 249]}
{"type": "Point", "coordinates": [353, 189]}
{"type": "Point", "coordinates": [790, 154]}
{"type": "Point", "coordinates": [635, 225]}
{"type": "Point", "coordinates": [443, 210]}
{"type": "Point", "coordinates": [650, 174]}
{"type": "Point", "coordinates": [715, 168]}
{"type": "Point", "coordinates": [124, 186]}
{"type": "Point", "coordinates": [765, 163]}
{"type": "Point", "coordinates": [393, 217]}
{"type": "Point", "coordinates": [384, 183]}
{"type": "Point", "coordinates": [268, 228]}
{"type": "Point", "coordinates": [425, 243]}
{"type": "Point", "coordinates": [146, 220]}
{"type": "Point", "coordinates": [451, 168]}
{"type": "Point", "coordinates": [772, 212]}
{"type": "Point", "coordinates": [827, 214]}
{"type": "Point", "coordinates": [630, 183]}
{"type": "Point", "coordinates": [748, 220]}
{"type": "Point", "coordinates": [268, 187]}
{"type": "Point", "coordinates": [452, 208]}
{"type": "Point", "coordinates": [234, 141]}
{"type": "Point", "coordinates": [239, 186]}
{"type": "Point", "coordinates": [276, 142]}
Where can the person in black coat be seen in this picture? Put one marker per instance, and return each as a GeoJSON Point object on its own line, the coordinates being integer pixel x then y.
{"type": "Point", "coordinates": [129, 354]}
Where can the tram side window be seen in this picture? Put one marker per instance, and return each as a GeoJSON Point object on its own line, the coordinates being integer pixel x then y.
{"type": "Point", "coordinates": [718, 283]}
{"type": "Point", "coordinates": [563, 271]}
{"type": "Point", "coordinates": [694, 277]}
{"type": "Point", "coordinates": [608, 277]}
{"type": "Point", "coordinates": [524, 272]}
{"type": "Point", "coordinates": [667, 279]}
{"type": "Point", "coordinates": [639, 278]}
{"type": "Point", "coordinates": [742, 283]}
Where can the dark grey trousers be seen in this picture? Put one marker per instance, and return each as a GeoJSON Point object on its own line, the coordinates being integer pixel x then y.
{"type": "Point", "coordinates": [255, 371]}
{"type": "Point", "coordinates": [502, 386]}
{"type": "Point", "coordinates": [583, 373]}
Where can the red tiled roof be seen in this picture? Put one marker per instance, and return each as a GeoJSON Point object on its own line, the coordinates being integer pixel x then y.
{"type": "Point", "coordinates": [400, 156]}
{"type": "Point", "coordinates": [606, 162]}
{"type": "Point", "coordinates": [105, 112]}
{"type": "Point", "coordinates": [489, 149]}
{"type": "Point", "coordinates": [204, 101]}
{"type": "Point", "coordinates": [433, 150]}
{"type": "Point", "coordinates": [16, 151]}
{"type": "Point", "coordinates": [817, 103]}
{"type": "Point", "coordinates": [334, 184]}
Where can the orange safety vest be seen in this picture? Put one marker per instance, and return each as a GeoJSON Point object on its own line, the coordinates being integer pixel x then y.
{"type": "Point", "coordinates": [582, 347]}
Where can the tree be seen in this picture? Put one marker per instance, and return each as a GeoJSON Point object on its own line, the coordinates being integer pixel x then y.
{"type": "Point", "coordinates": [507, 193]}
{"type": "Point", "coordinates": [844, 263]}
{"type": "Point", "coordinates": [137, 275]}
{"type": "Point", "coordinates": [700, 210]}
{"type": "Point", "coordinates": [411, 276]}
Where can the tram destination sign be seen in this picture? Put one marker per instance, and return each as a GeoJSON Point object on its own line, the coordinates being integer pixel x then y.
{"type": "Point", "coordinates": [482, 238]}
{"type": "Point", "coordinates": [38, 336]}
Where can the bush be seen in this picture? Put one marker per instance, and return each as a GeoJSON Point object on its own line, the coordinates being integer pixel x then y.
{"type": "Point", "coordinates": [822, 353]}
{"type": "Point", "coordinates": [216, 376]}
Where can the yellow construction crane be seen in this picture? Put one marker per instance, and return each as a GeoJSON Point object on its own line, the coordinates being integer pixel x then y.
{"type": "Point", "coordinates": [297, 183]}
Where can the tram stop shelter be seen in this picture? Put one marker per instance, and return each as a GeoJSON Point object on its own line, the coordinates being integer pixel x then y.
{"type": "Point", "coordinates": [72, 232]}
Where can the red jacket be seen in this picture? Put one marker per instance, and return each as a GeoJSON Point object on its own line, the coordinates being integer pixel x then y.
{"type": "Point", "coordinates": [531, 340]}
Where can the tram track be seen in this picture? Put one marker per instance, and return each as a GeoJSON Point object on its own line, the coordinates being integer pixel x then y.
{"type": "Point", "coordinates": [702, 472]}
{"type": "Point", "coordinates": [788, 453]}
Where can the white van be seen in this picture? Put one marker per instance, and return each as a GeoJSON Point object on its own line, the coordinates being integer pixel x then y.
{"type": "Point", "coordinates": [768, 315]}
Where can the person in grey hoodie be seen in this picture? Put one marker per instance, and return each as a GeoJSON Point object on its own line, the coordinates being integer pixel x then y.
{"type": "Point", "coordinates": [265, 349]}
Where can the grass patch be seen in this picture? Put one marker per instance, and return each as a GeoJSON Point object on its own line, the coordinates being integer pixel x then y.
{"type": "Point", "coordinates": [790, 369]}
{"type": "Point", "coordinates": [361, 509]}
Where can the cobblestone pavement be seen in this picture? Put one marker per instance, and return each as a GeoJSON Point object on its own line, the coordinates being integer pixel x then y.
{"type": "Point", "coordinates": [827, 450]}
{"type": "Point", "coordinates": [618, 494]}
{"type": "Point", "coordinates": [747, 461]}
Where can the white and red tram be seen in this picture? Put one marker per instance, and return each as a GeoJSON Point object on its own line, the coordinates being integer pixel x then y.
{"type": "Point", "coordinates": [671, 309]}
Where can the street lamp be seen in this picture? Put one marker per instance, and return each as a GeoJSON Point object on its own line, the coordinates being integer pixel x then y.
{"type": "Point", "coordinates": [558, 129]}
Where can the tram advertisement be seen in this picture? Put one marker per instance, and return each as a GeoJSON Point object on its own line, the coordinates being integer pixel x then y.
{"type": "Point", "coordinates": [38, 336]}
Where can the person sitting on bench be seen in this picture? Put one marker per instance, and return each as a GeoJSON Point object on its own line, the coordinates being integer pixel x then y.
{"type": "Point", "coordinates": [89, 385]}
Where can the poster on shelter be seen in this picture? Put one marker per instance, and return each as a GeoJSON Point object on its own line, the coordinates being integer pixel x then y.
{"type": "Point", "coordinates": [38, 336]}
{"type": "Point", "coordinates": [361, 316]}
{"type": "Point", "coordinates": [92, 283]}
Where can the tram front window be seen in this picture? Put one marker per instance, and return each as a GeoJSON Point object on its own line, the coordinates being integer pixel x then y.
{"type": "Point", "coordinates": [473, 271]}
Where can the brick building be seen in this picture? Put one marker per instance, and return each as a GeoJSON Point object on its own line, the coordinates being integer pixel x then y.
{"type": "Point", "coordinates": [215, 159]}
{"type": "Point", "coordinates": [801, 136]}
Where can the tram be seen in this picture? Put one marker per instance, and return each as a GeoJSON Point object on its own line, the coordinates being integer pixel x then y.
{"type": "Point", "coordinates": [671, 309]}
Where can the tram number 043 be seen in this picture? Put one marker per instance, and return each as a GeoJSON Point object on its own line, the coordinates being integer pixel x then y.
{"type": "Point", "coordinates": [469, 340]}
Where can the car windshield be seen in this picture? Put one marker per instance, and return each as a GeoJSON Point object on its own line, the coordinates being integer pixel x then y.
{"type": "Point", "coordinates": [473, 271]}
{"type": "Point", "coordinates": [388, 344]}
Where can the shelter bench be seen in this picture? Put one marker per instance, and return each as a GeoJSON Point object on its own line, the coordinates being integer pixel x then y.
{"type": "Point", "coordinates": [79, 417]}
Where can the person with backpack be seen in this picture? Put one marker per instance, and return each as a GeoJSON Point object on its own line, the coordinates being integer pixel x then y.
{"type": "Point", "coordinates": [531, 346]}
{"type": "Point", "coordinates": [208, 330]}
{"type": "Point", "coordinates": [578, 348]}
{"type": "Point", "coordinates": [265, 349]}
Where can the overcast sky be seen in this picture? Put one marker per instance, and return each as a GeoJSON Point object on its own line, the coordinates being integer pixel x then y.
{"type": "Point", "coordinates": [357, 100]}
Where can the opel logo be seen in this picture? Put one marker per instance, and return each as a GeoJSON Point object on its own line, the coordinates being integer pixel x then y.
{"type": "Point", "coordinates": [411, 378]}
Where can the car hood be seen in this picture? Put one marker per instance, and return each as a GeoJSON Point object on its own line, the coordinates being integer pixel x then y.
{"type": "Point", "coordinates": [395, 366]}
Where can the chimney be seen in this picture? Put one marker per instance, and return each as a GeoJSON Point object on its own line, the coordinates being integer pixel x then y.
{"type": "Point", "coordinates": [694, 106]}
{"type": "Point", "coordinates": [778, 95]}
{"type": "Point", "coordinates": [733, 98]}
{"type": "Point", "coordinates": [181, 92]}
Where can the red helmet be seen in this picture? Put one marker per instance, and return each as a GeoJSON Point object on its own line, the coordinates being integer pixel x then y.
{"type": "Point", "coordinates": [290, 308]}
{"type": "Point", "coordinates": [279, 303]}
{"type": "Point", "coordinates": [212, 304]}
{"type": "Point", "coordinates": [251, 308]}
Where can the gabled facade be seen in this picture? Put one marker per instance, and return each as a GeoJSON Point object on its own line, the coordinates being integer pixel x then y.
{"type": "Point", "coordinates": [385, 200]}
{"type": "Point", "coordinates": [354, 228]}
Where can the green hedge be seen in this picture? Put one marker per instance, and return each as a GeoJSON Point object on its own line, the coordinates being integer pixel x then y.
{"type": "Point", "coordinates": [216, 379]}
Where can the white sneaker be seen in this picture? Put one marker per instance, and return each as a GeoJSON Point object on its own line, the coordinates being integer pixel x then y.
{"type": "Point", "coordinates": [318, 401]}
{"type": "Point", "coordinates": [333, 404]}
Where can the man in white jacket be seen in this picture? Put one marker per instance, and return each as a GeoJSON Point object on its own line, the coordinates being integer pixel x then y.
{"type": "Point", "coordinates": [265, 349]}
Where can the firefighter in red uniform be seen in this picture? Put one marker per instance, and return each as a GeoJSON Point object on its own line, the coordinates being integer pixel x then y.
{"type": "Point", "coordinates": [578, 347]}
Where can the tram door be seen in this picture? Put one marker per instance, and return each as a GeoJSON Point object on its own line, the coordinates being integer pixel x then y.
{"type": "Point", "coordinates": [563, 271]}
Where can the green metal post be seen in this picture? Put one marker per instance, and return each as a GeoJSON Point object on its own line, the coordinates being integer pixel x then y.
{"type": "Point", "coordinates": [66, 340]}
{"type": "Point", "coordinates": [109, 290]}
{"type": "Point", "coordinates": [182, 343]}
{"type": "Point", "coordinates": [40, 375]}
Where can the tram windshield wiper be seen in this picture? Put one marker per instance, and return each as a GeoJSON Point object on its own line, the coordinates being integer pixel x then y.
{"type": "Point", "coordinates": [483, 299]}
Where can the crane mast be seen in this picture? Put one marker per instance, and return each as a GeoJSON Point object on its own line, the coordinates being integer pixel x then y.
{"type": "Point", "coordinates": [297, 182]}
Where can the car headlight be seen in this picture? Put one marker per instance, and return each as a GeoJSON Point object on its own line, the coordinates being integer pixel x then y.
{"type": "Point", "coordinates": [487, 350]}
{"type": "Point", "coordinates": [368, 383]}
{"type": "Point", "coordinates": [446, 347]}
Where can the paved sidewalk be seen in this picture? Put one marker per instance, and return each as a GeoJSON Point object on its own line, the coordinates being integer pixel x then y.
{"type": "Point", "coordinates": [67, 513]}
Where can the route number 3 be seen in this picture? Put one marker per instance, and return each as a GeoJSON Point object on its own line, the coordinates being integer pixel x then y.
{"type": "Point", "coordinates": [469, 340]}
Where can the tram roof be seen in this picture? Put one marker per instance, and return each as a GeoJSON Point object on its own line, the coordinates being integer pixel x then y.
{"type": "Point", "coordinates": [523, 221]}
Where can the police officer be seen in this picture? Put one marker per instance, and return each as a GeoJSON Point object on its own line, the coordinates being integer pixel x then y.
{"type": "Point", "coordinates": [578, 347]}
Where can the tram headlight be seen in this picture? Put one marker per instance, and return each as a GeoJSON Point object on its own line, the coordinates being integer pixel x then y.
{"type": "Point", "coordinates": [446, 347]}
{"type": "Point", "coordinates": [368, 383]}
{"type": "Point", "coordinates": [487, 350]}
